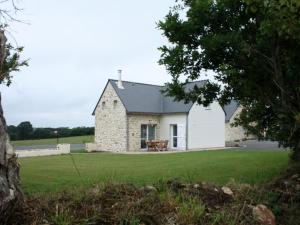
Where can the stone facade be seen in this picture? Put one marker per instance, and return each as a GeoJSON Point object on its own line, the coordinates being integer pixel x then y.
{"type": "Point", "coordinates": [110, 122]}
{"type": "Point", "coordinates": [134, 129]}
{"type": "Point", "coordinates": [235, 133]}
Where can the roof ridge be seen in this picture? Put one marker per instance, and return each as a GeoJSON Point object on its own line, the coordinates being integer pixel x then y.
{"type": "Point", "coordinates": [138, 83]}
{"type": "Point", "coordinates": [195, 81]}
{"type": "Point", "coordinates": [132, 82]}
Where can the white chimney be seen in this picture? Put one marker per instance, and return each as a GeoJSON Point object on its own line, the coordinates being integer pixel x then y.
{"type": "Point", "coordinates": [119, 83]}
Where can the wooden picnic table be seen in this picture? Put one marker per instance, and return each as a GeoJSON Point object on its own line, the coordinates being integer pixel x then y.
{"type": "Point", "coordinates": [157, 145]}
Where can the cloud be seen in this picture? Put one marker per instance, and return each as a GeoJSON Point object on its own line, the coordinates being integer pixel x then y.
{"type": "Point", "coordinates": [74, 47]}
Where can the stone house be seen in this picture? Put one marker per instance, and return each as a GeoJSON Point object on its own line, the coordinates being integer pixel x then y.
{"type": "Point", "coordinates": [232, 133]}
{"type": "Point", "coordinates": [128, 114]}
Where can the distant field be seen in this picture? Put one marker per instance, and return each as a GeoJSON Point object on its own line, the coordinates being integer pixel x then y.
{"type": "Point", "coordinates": [52, 141]}
{"type": "Point", "coordinates": [58, 173]}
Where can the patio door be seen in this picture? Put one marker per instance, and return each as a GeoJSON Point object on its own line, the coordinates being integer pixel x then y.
{"type": "Point", "coordinates": [174, 137]}
{"type": "Point", "coordinates": [148, 133]}
{"type": "Point", "coordinates": [178, 136]}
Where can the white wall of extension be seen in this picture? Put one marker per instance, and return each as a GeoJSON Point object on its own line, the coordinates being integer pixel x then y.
{"type": "Point", "coordinates": [206, 126]}
{"type": "Point", "coordinates": [166, 123]}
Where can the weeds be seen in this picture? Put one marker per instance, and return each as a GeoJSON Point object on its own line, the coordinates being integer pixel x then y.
{"type": "Point", "coordinates": [190, 210]}
{"type": "Point", "coordinates": [170, 202]}
{"type": "Point", "coordinates": [61, 217]}
{"type": "Point", "coordinates": [133, 221]}
{"type": "Point", "coordinates": [221, 218]}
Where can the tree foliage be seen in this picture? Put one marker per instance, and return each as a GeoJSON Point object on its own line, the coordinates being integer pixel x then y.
{"type": "Point", "coordinates": [11, 60]}
{"type": "Point", "coordinates": [25, 131]}
{"type": "Point", "coordinates": [253, 47]}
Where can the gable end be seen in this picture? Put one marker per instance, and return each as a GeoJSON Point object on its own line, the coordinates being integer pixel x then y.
{"type": "Point", "coordinates": [93, 114]}
{"type": "Point", "coordinates": [109, 81]}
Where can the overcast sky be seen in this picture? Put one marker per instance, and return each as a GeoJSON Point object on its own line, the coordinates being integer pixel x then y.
{"type": "Point", "coordinates": [74, 47]}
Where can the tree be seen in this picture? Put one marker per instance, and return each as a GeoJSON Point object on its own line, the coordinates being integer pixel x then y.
{"type": "Point", "coordinates": [253, 47]}
{"type": "Point", "coordinates": [10, 192]}
{"type": "Point", "coordinates": [24, 130]}
{"type": "Point", "coordinates": [41, 133]}
{"type": "Point", "coordinates": [12, 132]}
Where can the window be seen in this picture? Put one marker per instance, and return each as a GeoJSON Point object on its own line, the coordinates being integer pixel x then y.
{"type": "Point", "coordinates": [103, 105]}
{"type": "Point", "coordinates": [115, 103]}
{"type": "Point", "coordinates": [208, 107]}
{"type": "Point", "coordinates": [148, 133]}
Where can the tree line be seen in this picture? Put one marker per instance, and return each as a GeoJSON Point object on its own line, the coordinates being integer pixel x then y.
{"type": "Point", "coordinates": [25, 131]}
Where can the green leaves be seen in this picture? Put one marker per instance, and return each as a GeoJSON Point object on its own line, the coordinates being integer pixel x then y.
{"type": "Point", "coordinates": [253, 46]}
{"type": "Point", "coordinates": [10, 60]}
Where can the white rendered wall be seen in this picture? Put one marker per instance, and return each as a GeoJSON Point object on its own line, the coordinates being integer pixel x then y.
{"type": "Point", "coordinates": [165, 126]}
{"type": "Point", "coordinates": [206, 128]}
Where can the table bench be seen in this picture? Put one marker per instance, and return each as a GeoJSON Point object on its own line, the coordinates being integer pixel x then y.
{"type": "Point", "coordinates": [157, 145]}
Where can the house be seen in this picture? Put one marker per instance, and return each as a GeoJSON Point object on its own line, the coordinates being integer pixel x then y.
{"type": "Point", "coordinates": [234, 133]}
{"type": "Point", "coordinates": [128, 114]}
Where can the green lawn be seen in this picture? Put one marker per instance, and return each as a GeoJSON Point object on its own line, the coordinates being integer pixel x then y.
{"type": "Point", "coordinates": [57, 173]}
{"type": "Point", "coordinates": [69, 140]}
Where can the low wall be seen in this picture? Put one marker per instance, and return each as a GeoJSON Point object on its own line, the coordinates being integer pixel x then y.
{"type": "Point", "coordinates": [91, 147]}
{"type": "Point", "coordinates": [59, 150]}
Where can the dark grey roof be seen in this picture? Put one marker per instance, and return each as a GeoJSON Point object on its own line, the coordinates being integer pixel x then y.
{"type": "Point", "coordinates": [229, 109]}
{"type": "Point", "coordinates": [139, 97]}
{"type": "Point", "coordinates": [147, 98]}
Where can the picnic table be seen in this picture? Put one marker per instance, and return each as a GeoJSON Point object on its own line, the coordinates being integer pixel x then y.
{"type": "Point", "coordinates": [157, 145]}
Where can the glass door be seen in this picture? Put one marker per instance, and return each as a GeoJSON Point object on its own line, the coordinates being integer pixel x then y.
{"type": "Point", "coordinates": [174, 136]}
{"type": "Point", "coordinates": [151, 132]}
{"type": "Point", "coordinates": [143, 136]}
{"type": "Point", "coordinates": [148, 133]}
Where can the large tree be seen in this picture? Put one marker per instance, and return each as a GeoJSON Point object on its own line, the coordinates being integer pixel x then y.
{"type": "Point", "coordinates": [253, 46]}
{"type": "Point", "coordinates": [25, 130]}
{"type": "Point", "coordinates": [10, 193]}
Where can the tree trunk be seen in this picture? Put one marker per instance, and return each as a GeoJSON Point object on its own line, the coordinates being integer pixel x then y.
{"type": "Point", "coordinates": [10, 194]}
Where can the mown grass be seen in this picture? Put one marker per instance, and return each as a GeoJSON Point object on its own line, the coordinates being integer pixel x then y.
{"type": "Point", "coordinates": [57, 173]}
{"type": "Point", "coordinates": [53, 141]}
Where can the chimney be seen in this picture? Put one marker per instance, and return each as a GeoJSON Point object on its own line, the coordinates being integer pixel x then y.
{"type": "Point", "coordinates": [119, 83]}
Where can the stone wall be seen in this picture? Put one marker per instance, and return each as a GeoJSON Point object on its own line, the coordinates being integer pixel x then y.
{"type": "Point", "coordinates": [110, 122]}
{"type": "Point", "coordinates": [91, 147]}
{"type": "Point", "coordinates": [134, 129]}
{"type": "Point", "coordinates": [235, 133]}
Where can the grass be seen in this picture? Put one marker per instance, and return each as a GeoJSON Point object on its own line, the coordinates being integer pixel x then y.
{"type": "Point", "coordinates": [53, 141]}
{"type": "Point", "coordinates": [52, 174]}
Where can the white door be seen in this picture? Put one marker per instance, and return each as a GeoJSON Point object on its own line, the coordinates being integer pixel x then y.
{"type": "Point", "coordinates": [181, 136]}
{"type": "Point", "coordinates": [178, 136]}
